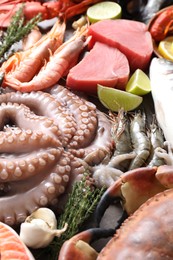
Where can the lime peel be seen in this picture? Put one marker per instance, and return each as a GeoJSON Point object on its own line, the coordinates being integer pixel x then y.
{"type": "Point", "coordinates": [115, 99]}
{"type": "Point", "coordinates": [104, 10]}
{"type": "Point", "coordinates": [139, 83]}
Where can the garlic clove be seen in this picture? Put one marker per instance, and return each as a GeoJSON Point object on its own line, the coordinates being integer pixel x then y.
{"type": "Point", "coordinates": [46, 215]}
{"type": "Point", "coordinates": [39, 229]}
{"type": "Point", "coordinates": [34, 235]}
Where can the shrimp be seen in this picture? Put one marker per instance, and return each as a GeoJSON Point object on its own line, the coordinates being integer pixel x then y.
{"type": "Point", "coordinates": [58, 64]}
{"type": "Point", "coordinates": [167, 156]}
{"type": "Point", "coordinates": [140, 141]}
{"type": "Point", "coordinates": [157, 145]}
{"type": "Point", "coordinates": [33, 37]}
{"type": "Point", "coordinates": [22, 66]}
{"type": "Point", "coordinates": [123, 146]}
{"type": "Point", "coordinates": [121, 134]}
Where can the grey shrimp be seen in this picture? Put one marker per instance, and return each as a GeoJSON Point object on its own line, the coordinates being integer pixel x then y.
{"type": "Point", "coordinates": [123, 152]}
{"type": "Point", "coordinates": [140, 141]}
{"type": "Point", "coordinates": [167, 156]}
{"type": "Point", "coordinates": [121, 134]}
{"type": "Point", "coordinates": [157, 145]}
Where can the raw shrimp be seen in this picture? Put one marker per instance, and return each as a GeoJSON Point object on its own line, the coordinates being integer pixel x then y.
{"type": "Point", "coordinates": [58, 64]}
{"type": "Point", "coordinates": [34, 36]}
{"type": "Point", "coordinates": [123, 147]}
{"type": "Point", "coordinates": [140, 140]}
{"type": "Point", "coordinates": [121, 134]}
{"type": "Point", "coordinates": [167, 156]}
{"type": "Point", "coordinates": [22, 66]}
{"type": "Point", "coordinates": [157, 145]}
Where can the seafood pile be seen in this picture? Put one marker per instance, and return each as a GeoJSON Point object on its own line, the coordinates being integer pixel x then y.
{"type": "Point", "coordinates": [136, 145]}
{"type": "Point", "coordinates": [50, 136]}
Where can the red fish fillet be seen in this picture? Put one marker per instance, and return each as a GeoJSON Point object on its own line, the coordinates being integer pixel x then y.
{"type": "Point", "coordinates": [11, 246]}
{"type": "Point", "coordinates": [103, 65]}
{"type": "Point", "coordinates": [130, 37]}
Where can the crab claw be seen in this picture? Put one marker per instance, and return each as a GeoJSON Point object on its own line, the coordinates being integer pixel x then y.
{"type": "Point", "coordinates": [133, 188]}
{"type": "Point", "coordinates": [165, 175]}
{"type": "Point", "coordinates": [78, 246]}
{"type": "Point", "coordinates": [111, 195]}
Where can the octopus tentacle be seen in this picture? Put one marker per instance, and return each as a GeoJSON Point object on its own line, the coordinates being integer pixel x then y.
{"type": "Point", "coordinates": [25, 118]}
{"type": "Point", "coordinates": [54, 110]}
{"type": "Point", "coordinates": [12, 169]}
{"type": "Point", "coordinates": [26, 140]}
{"type": "Point", "coordinates": [41, 194]}
{"type": "Point", "coordinates": [84, 113]}
{"type": "Point", "coordinates": [93, 126]}
{"type": "Point", "coordinates": [102, 144]}
{"type": "Point", "coordinates": [43, 138]}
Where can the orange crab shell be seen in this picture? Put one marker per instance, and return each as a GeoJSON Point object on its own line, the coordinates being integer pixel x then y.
{"type": "Point", "coordinates": [147, 234]}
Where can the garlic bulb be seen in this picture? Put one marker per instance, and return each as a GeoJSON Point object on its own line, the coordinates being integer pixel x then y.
{"type": "Point", "coordinates": [40, 228]}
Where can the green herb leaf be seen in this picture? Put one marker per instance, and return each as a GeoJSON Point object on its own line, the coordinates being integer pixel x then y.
{"type": "Point", "coordinates": [16, 31]}
{"type": "Point", "coordinates": [81, 203]}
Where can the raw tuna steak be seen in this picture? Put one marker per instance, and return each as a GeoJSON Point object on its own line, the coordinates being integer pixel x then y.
{"type": "Point", "coordinates": [130, 37]}
{"type": "Point", "coordinates": [103, 65]}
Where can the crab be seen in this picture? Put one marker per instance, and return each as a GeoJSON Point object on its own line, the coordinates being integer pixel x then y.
{"type": "Point", "coordinates": [146, 195]}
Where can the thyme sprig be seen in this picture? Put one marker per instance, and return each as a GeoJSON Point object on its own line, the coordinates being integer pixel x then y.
{"type": "Point", "coordinates": [81, 203]}
{"type": "Point", "coordinates": [17, 30]}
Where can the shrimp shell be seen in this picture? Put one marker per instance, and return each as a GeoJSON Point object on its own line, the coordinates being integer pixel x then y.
{"type": "Point", "coordinates": [140, 140]}
{"type": "Point", "coordinates": [123, 148]}
{"type": "Point", "coordinates": [33, 37]}
{"type": "Point", "coordinates": [157, 145]}
{"type": "Point", "coordinates": [167, 156]}
{"type": "Point", "coordinates": [121, 133]}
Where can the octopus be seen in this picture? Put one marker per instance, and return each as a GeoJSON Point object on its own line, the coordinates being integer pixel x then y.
{"type": "Point", "coordinates": [44, 136]}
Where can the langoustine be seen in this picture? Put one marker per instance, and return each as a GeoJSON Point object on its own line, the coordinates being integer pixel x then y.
{"type": "Point", "coordinates": [48, 9]}
{"type": "Point", "coordinates": [23, 65]}
{"type": "Point", "coordinates": [57, 65]}
{"type": "Point", "coordinates": [49, 143]}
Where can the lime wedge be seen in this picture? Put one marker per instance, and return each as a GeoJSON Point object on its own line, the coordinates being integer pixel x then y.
{"type": "Point", "coordinates": [165, 48]}
{"type": "Point", "coordinates": [115, 99]}
{"type": "Point", "coordinates": [139, 83]}
{"type": "Point", "coordinates": [104, 10]}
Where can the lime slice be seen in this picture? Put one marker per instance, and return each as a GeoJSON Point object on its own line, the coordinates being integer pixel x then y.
{"type": "Point", "coordinates": [104, 10]}
{"type": "Point", "coordinates": [115, 99]}
{"type": "Point", "coordinates": [139, 83]}
{"type": "Point", "coordinates": [165, 48]}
